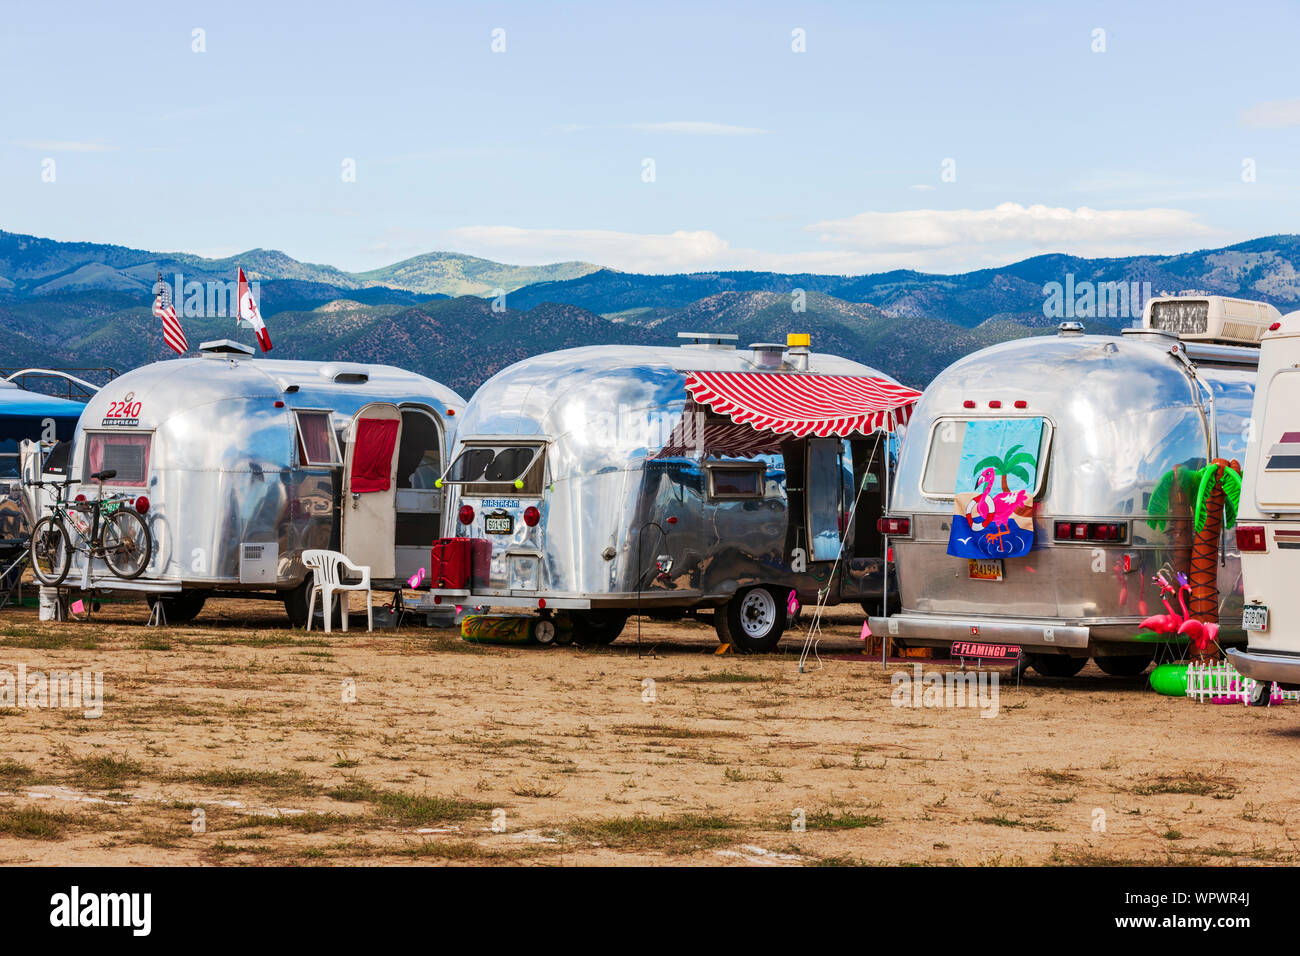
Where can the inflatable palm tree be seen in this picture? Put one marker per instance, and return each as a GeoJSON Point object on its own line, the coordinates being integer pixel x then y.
{"type": "Point", "coordinates": [1218, 493]}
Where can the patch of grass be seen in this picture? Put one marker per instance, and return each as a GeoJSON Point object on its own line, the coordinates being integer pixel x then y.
{"type": "Point", "coordinates": [161, 837]}
{"type": "Point", "coordinates": [32, 823]}
{"type": "Point", "coordinates": [845, 820]}
{"type": "Point", "coordinates": [1002, 820]}
{"type": "Point", "coordinates": [284, 782]}
{"type": "Point", "coordinates": [346, 761]}
{"type": "Point", "coordinates": [739, 776]}
{"type": "Point", "coordinates": [450, 850]}
{"type": "Point", "coordinates": [1172, 835]}
{"type": "Point", "coordinates": [300, 822]}
{"type": "Point", "coordinates": [104, 772]}
{"type": "Point", "coordinates": [537, 790]}
{"type": "Point", "coordinates": [68, 639]}
{"type": "Point", "coordinates": [1194, 784]}
{"type": "Point", "coordinates": [1058, 776]}
{"type": "Point", "coordinates": [409, 809]}
{"type": "Point", "coordinates": [722, 677]}
{"type": "Point", "coordinates": [15, 774]}
{"type": "Point", "coordinates": [671, 733]}
{"type": "Point", "coordinates": [678, 834]}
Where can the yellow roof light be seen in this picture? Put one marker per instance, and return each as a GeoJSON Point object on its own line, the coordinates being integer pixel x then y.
{"type": "Point", "coordinates": [798, 340]}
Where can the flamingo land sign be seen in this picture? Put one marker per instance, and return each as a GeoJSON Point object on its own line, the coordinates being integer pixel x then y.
{"type": "Point", "coordinates": [993, 506]}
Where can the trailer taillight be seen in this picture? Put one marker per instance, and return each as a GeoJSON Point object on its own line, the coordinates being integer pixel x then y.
{"type": "Point", "coordinates": [532, 516]}
{"type": "Point", "coordinates": [1091, 531]}
{"type": "Point", "coordinates": [142, 504]}
{"type": "Point", "coordinates": [1251, 538]}
{"type": "Point", "coordinates": [465, 515]}
{"type": "Point", "coordinates": [894, 526]}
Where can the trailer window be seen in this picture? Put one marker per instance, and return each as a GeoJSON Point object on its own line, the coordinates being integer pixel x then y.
{"type": "Point", "coordinates": [939, 479]}
{"type": "Point", "coordinates": [316, 443]}
{"type": "Point", "coordinates": [737, 482]}
{"type": "Point", "coordinates": [498, 465]}
{"type": "Point", "coordinates": [128, 455]}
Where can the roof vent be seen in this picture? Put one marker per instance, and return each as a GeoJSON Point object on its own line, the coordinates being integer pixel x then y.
{"type": "Point", "coordinates": [1070, 328]}
{"type": "Point", "coordinates": [344, 373]}
{"type": "Point", "coordinates": [224, 348]}
{"type": "Point", "coordinates": [711, 341]}
{"type": "Point", "coordinates": [768, 355]}
{"type": "Point", "coordinates": [798, 348]}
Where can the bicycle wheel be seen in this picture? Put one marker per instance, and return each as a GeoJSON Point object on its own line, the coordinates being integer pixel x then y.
{"type": "Point", "coordinates": [127, 543]}
{"type": "Point", "coordinates": [51, 551]}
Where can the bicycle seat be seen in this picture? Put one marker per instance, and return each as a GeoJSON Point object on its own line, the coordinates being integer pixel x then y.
{"type": "Point", "coordinates": [105, 475]}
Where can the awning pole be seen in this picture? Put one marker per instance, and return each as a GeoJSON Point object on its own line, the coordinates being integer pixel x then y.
{"type": "Point", "coordinates": [884, 590]}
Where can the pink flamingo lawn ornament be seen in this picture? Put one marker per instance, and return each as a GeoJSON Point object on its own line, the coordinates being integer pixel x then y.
{"type": "Point", "coordinates": [1171, 622]}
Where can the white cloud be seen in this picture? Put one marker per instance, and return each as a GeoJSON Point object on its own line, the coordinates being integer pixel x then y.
{"type": "Point", "coordinates": [632, 252]}
{"type": "Point", "coordinates": [1273, 115]}
{"type": "Point", "coordinates": [1005, 223]}
{"type": "Point", "coordinates": [66, 146]}
{"type": "Point", "coordinates": [923, 239]}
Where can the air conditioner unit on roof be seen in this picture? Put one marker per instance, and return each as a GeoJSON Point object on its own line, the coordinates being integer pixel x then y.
{"type": "Point", "coordinates": [1210, 318]}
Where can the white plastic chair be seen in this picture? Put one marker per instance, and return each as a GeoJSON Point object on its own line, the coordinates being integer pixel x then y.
{"type": "Point", "coordinates": [326, 568]}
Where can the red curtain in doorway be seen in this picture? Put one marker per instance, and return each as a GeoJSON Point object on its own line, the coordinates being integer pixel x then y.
{"type": "Point", "coordinates": [372, 455]}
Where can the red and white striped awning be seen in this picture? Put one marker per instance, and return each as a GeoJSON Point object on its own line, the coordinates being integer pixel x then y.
{"type": "Point", "coordinates": [802, 404]}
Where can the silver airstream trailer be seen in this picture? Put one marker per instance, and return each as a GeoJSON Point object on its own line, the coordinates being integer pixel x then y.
{"type": "Point", "coordinates": [1041, 486]}
{"type": "Point", "coordinates": [592, 481]}
{"type": "Point", "coordinates": [240, 464]}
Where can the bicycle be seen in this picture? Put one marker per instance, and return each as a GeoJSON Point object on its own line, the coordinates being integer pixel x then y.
{"type": "Point", "coordinates": [108, 528]}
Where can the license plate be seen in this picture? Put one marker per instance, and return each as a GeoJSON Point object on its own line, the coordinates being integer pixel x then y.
{"type": "Point", "coordinates": [1254, 617]}
{"type": "Point", "coordinates": [499, 524]}
{"type": "Point", "coordinates": [981, 570]}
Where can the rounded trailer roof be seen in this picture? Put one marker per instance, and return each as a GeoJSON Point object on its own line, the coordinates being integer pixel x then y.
{"type": "Point", "coordinates": [536, 396]}
{"type": "Point", "coordinates": [171, 388]}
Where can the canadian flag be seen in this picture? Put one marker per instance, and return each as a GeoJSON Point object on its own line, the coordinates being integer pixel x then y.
{"type": "Point", "coordinates": [250, 317]}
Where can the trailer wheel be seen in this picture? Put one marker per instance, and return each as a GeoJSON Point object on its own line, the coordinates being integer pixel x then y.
{"type": "Point", "coordinates": [1123, 665]}
{"type": "Point", "coordinates": [597, 628]}
{"type": "Point", "coordinates": [752, 621]}
{"type": "Point", "coordinates": [1261, 695]}
{"type": "Point", "coordinates": [1057, 665]}
{"type": "Point", "coordinates": [180, 608]}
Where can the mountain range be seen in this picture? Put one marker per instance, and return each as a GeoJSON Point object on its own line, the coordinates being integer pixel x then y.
{"type": "Point", "coordinates": [87, 304]}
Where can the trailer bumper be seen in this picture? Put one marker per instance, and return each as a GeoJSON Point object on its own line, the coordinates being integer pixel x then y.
{"type": "Point", "coordinates": [1262, 666]}
{"type": "Point", "coordinates": [934, 630]}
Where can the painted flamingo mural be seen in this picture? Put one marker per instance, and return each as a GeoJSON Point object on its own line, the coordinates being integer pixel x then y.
{"type": "Point", "coordinates": [988, 522]}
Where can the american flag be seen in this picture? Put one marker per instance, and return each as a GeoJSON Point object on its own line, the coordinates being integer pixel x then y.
{"type": "Point", "coordinates": [163, 308]}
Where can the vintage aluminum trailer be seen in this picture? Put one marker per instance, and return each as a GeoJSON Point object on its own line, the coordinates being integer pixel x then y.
{"type": "Point", "coordinates": [244, 463]}
{"type": "Point", "coordinates": [594, 481]}
{"type": "Point", "coordinates": [1268, 519]}
{"type": "Point", "coordinates": [1120, 418]}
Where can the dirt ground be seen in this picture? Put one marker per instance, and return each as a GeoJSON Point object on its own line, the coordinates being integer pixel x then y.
{"type": "Point", "coordinates": [238, 740]}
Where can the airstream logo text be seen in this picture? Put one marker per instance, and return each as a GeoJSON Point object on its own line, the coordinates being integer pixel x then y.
{"type": "Point", "coordinates": [500, 502]}
{"type": "Point", "coordinates": [125, 412]}
{"type": "Point", "coordinates": [1094, 300]}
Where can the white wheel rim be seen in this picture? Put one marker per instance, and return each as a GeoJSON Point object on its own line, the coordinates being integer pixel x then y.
{"type": "Point", "coordinates": [544, 632]}
{"type": "Point", "coordinates": [758, 613]}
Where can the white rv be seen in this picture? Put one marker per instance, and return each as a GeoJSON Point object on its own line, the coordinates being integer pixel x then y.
{"type": "Point", "coordinates": [1268, 519]}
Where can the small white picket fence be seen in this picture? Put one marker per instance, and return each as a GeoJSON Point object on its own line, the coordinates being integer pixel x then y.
{"type": "Point", "coordinates": [1219, 680]}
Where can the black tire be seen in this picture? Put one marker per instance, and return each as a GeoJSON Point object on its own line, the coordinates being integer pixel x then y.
{"type": "Point", "coordinates": [597, 628]}
{"type": "Point", "coordinates": [1261, 695]}
{"type": "Point", "coordinates": [180, 608]}
{"type": "Point", "coordinates": [1057, 665]}
{"type": "Point", "coordinates": [50, 551]}
{"type": "Point", "coordinates": [128, 545]}
{"type": "Point", "coordinates": [1124, 665]}
{"type": "Point", "coordinates": [295, 605]}
{"type": "Point", "coordinates": [753, 620]}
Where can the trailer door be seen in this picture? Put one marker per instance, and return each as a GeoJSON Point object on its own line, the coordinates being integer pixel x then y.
{"type": "Point", "coordinates": [825, 491]}
{"type": "Point", "coordinates": [369, 505]}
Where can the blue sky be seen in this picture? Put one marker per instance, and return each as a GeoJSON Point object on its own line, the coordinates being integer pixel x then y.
{"type": "Point", "coordinates": [827, 160]}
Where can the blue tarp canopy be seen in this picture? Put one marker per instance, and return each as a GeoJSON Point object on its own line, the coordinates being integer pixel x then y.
{"type": "Point", "coordinates": [24, 414]}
